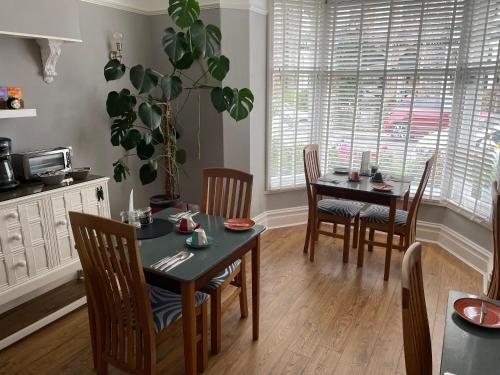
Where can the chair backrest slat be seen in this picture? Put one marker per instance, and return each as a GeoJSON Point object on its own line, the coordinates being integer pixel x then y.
{"type": "Point", "coordinates": [494, 288]}
{"type": "Point", "coordinates": [416, 334]}
{"type": "Point", "coordinates": [115, 280]}
{"type": "Point", "coordinates": [311, 167]}
{"type": "Point", "coordinates": [411, 221]}
{"type": "Point", "coordinates": [227, 193]}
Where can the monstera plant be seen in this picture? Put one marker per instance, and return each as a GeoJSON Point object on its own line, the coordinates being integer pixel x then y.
{"type": "Point", "coordinates": [143, 121]}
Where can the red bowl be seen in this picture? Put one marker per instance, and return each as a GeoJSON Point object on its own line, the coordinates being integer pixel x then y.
{"type": "Point", "coordinates": [470, 310]}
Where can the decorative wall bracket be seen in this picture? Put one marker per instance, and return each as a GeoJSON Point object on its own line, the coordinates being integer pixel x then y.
{"type": "Point", "coordinates": [50, 50]}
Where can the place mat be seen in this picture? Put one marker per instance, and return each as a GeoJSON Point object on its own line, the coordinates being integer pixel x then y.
{"type": "Point", "coordinates": [158, 228]}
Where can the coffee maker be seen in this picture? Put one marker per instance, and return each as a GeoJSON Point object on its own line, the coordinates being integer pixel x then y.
{"type": "Point", "coordinates": [7, 179]}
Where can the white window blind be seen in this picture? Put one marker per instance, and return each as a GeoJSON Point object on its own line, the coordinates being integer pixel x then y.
{"type": "Point", "coordinates": [476, 121]}
{"type": "Point", "coordinates": [383, 76]}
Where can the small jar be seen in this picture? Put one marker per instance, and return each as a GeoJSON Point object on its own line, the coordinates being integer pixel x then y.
{"type": "Point", "coordinates": [124, 216]}
{"type": "Point", "coordinates": [134, 218]}
{"type": "Point", "coordinates": [145, 216]}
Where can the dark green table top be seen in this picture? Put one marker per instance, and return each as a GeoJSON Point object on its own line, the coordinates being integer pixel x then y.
{"type": "Point", "coordinates": [341, 182]}
{"type": "Point", "coordinates": [468, 349]}
{"type": "Point", "coordinates": [225, 244]}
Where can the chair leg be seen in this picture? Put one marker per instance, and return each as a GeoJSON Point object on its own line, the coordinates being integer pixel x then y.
{"type": "Point", "coordinates": [347, 242]}
{"type": "Point", "coordinates": [242, 283]}
{"type": "Point", "coordinates": [202, 347]}
{"type": "Point", "coordinates": [401, 242]}
{"type": "Point", "coordinates": [318, 227]}
{"type": "Point", "coordinates": [102, 368]}
{"type": "Point", "coordinates": [215, 320]}
{"type": "Point", "coordinates": [361, 246]}
{"type": "Point", "coordinates": [334, 228]}
{"type": "Point", "coordinates": [371, 236]}
{"type": "Point", "coordinates": [308, 233]}
{"type": "Point", "coordinates": [355, 239]}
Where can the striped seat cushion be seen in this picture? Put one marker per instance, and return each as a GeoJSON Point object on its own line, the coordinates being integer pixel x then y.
{"type": "Point", "coordinates": [340, 207]}
{"type": "Point", "coordinates": [380, 215]}
{"type": "Point", "coordinates": [167, 306]}
{"type": "Point", "coordinates": [221, 277]}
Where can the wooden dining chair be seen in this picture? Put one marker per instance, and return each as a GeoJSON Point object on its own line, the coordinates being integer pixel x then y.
{"type": "Point", "coordinates": [334, 211]}
{"type": "Point", "coordinates": [494, 287]}
{"type": "Point", "coordinates": [376, 218]}
{"type": "Point", "coordinates": [416, 334]}
{"type": "Point", "coordinates": [128, 318]}
{"type": "Point", "coordinates": [227, 193]}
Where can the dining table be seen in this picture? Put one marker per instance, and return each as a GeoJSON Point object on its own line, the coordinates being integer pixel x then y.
{"type": "Point", "coordinates": [194, 273]}
{"type": "Point", "coordinates": [340, 186]}
{"type": "Point", "coordinates": [468, 349]}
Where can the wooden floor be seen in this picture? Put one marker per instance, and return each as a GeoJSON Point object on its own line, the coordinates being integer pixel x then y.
{"type": "Point", "coordinates": [320, 318]}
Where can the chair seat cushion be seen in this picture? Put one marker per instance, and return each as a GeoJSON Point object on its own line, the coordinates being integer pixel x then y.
{"type": "Point", "coordinates": [167, 306]}
{"type": "Point", "coordinates": [339, 207]}
{"type": "Point", "coordinates": [380, 215]}
{"type": "Point", "coordinates": [221, 277]}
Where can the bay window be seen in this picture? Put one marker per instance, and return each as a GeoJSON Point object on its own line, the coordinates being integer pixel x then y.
{"type": "Point", "coordinates": [399, 78]}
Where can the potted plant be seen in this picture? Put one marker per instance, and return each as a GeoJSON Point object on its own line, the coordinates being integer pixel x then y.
{"type": "Point", "coordinates": [143, 122]}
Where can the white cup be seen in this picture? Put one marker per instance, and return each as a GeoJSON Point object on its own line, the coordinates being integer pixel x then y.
{"type": "Point", "coordinates": [200, 237]}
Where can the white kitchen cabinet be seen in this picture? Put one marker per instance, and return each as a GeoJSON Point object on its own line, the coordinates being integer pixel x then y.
{"type": "Point", "coordinates": [36, 242]}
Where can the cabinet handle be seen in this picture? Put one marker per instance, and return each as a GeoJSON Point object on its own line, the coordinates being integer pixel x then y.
{"type": "Point", "coordinates": [99, 194]}
{"type": "Point", "coordinates": [21, 263]}
{"type": "Point", "coordinates": [13, 215]}
{"type": "Point", "coordinates": [16, 237]}
{"type": "Point", "coordinates": [60, 223]}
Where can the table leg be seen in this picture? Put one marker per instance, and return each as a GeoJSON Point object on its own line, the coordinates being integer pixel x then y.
{"type": "Point", "coordinates": [314, 225]}
{"type": "Point", "coordinates": [256, 288]}
{"type": "Point", "coordinates": [390, 236]}
{"type": "Point", "coordinates": [189, 327]}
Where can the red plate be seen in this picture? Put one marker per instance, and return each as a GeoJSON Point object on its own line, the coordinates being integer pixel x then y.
{"type": "Point", "coordinates": [382, 186]}
{"type": "Point", "coordinates": [239, 225]}
{"type": "Point", "coordinates": [178, 229]}
{"type": "Point", "coordinates": [470, 310]}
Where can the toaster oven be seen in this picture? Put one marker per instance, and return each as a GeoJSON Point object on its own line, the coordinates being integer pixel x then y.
{"type": "Point", "coordinates": [29, 165]}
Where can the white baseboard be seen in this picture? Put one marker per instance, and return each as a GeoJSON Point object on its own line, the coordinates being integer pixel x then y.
{"type": "Point", "coordinates": [42, 323]}
{"type": "Point", "coordinates": [473, 255]}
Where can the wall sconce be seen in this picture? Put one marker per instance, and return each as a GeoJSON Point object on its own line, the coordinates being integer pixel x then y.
{"type": "Point", "coordinates": [118, 41]}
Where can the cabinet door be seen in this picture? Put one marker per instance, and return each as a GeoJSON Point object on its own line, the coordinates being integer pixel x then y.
{"type": "Point", "coordinates": [61, 204]}
{"type": "Point", "coordinates": [24, 241]}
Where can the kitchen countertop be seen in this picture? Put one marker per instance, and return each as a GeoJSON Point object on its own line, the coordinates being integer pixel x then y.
{"type": "Point", "coordinates": [26, 189]}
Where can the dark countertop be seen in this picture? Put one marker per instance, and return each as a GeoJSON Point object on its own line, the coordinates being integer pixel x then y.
{"type": "Point", "coordinates": [26, 189]}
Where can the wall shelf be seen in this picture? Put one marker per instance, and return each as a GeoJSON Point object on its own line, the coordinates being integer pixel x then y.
{"type": "Point", "coordinates": [15, 113]}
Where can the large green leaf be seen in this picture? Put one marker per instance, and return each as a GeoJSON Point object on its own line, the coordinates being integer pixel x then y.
{"type": "Point", "coordinates": [145, 150]}
{"type": "Point", "coordinates": [218, 66]}
{"type": "Point", "coordinates": [114, 69]}
{"type": "Point", "coordinates": [120, 170]}
{"type": "Point", "coordinates": [119, 104]}
{"type": "Point", "coordinates": [157, 136]}
{"type": "Point", "coordinates": [240, 102]}
{"type": "Point", "coordinates": [219, 101]}
{"type": "Point", "coordinates": [184, 12]}
{"type": "Point", "coordinates": [175, 44]}
{"type": "Point", "coordinates": [180, 156]}
{"type": "Point", "coordinates": [143, 79]}
{"type": "Point", "coordinates": [131, 139]}
{"type": "Point", "coordinates": [148, 172]}
{"type": "Point", "coordinates": [205, 39]}
{"type": "Point", "coordinates": [150, 114]}
{"type": "Point", "coordinates": [185, 62]}
{"type": "Point", "coordinates": [119, 129]}
{"type": "Point", "coordinates": [171, 87]}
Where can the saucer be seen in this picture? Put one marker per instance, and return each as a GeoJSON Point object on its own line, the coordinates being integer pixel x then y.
{"type": "Point", "coordinates": [189, 242]}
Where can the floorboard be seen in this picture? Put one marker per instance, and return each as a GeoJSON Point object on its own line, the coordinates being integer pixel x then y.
{"type": "Point", "coordinates": [316, 318]}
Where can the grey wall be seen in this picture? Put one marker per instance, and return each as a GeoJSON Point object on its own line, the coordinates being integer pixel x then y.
{"type": "Point", "coordinates": [71, 110]}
